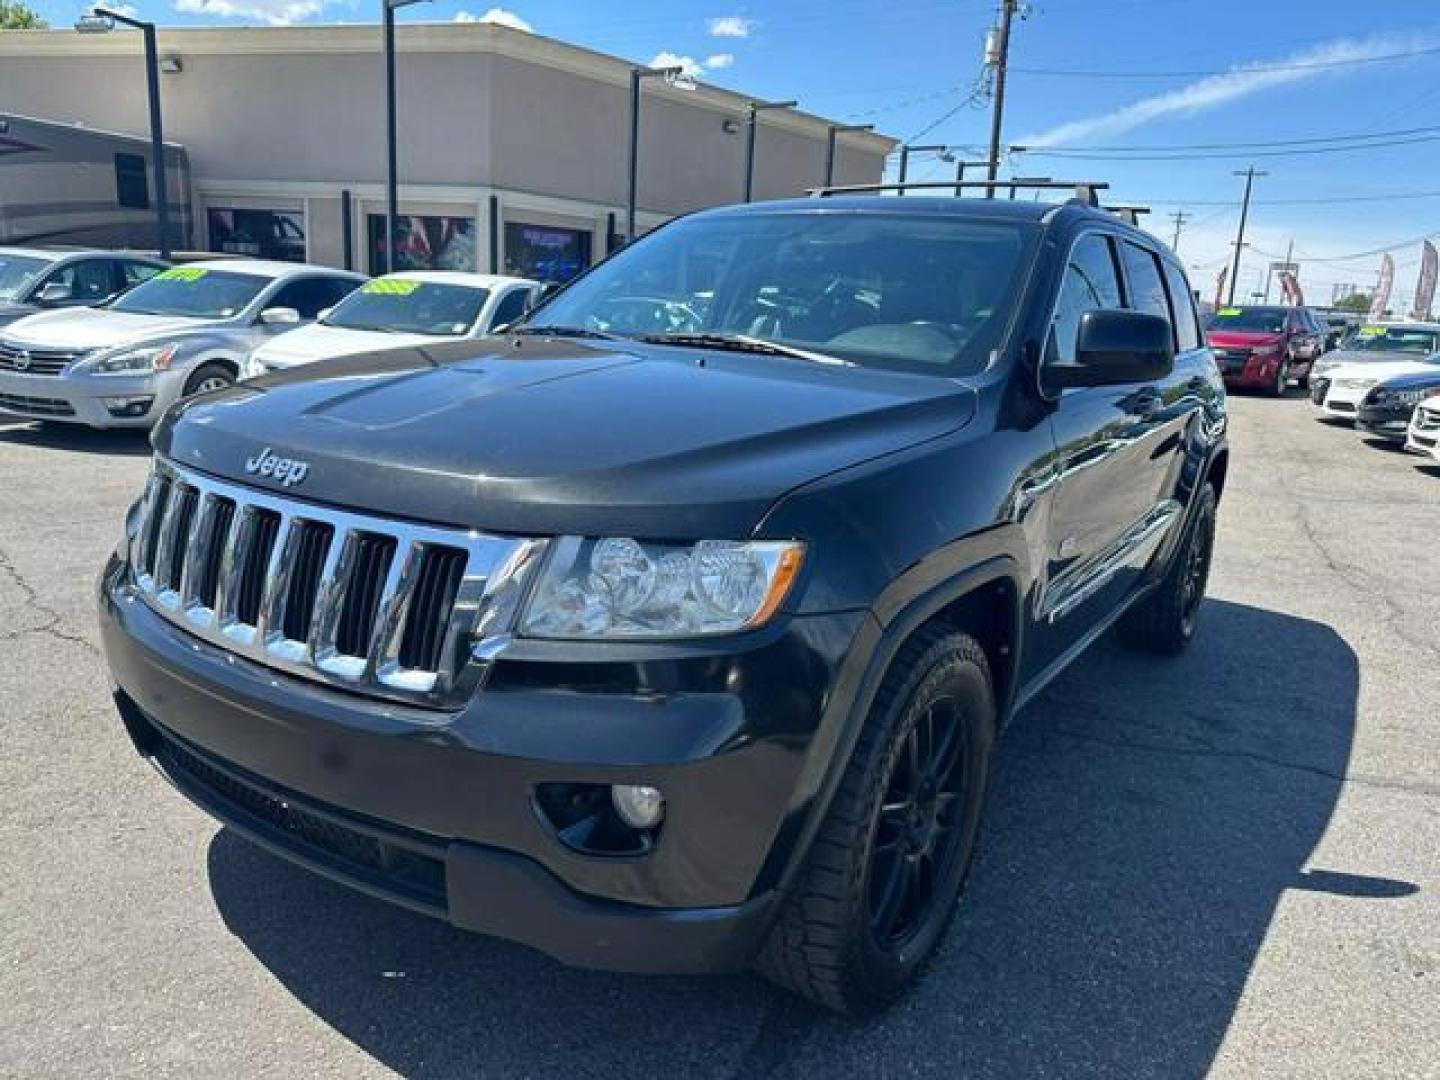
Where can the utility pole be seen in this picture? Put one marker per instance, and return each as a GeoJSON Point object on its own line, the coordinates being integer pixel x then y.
{"type": "Point", "coordinates": [1250, 174]}
{"type": "Point", "coordinates": [997, 54]}
{"type": "Point", "coordinates": [1179, 217]}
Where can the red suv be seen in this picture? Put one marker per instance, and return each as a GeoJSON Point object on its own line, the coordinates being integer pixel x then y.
{"type": "Point", "coordinates": [1263, 348]}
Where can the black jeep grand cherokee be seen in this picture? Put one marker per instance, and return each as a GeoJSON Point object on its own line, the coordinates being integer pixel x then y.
{"type": "Point", "coordinates": [673, 629]}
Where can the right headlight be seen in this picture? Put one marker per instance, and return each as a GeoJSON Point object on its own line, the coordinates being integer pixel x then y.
{"type": "Point", "coordinates": [616, 587]}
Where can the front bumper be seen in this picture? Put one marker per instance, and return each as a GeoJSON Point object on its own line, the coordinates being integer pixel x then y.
{"type": "Point", "coordinates": [1248, 371]}
{"type": "Point", "coordinates": [437, 811]}
{"type": "Point", "coordinates": [81, 399]}
{"type": "Point", "coordinates": [1386, 423]}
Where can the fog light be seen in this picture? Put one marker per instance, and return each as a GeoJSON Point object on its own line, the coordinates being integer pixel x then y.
{"type": "Point", "coordinates": [639, 806]}
{"type": "Point", "coordinates": [128, 406]}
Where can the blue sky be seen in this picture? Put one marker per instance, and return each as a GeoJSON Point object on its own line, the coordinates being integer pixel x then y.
{"type": "Point", "coordinates": [1299, 70]}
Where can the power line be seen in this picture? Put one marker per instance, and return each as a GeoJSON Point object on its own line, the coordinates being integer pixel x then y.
{"type": "Point", "coordinates": [1244, 69]}
{"type": "Point", "coordinates": [1329, 200]}
{"type": "Point", "coordinates": [1312, 140]}
{"type": "Point", "coordinates": [1083, 155]}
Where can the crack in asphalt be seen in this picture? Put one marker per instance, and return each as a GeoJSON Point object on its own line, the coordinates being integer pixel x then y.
{"type": "Point", "coordinates": [30, 600]}
{"type": "Point", "coordinates": [1357, 779]}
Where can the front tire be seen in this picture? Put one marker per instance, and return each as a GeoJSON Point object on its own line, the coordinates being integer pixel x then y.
{"type": "Point", "coordinates": [1282, 379]}
{"type": "Point", "coordinates": [884, 872]}
{"type": "Point", "coordinates": [209, 377]}
{"type": "Point", "coordinates": [1164, 622]}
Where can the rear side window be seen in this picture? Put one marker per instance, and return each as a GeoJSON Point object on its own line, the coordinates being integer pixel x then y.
{"type": "Point", "coordinates": [1147, 290]}
{"type": "Point", "coordinates": [1182, 302]}
{"type": "Point", "coordinates": [132, 273]}
{"type": "Point", "coordinates": [132, 188]}
{"type": "Point", "coordinates": [510, 307]}
{"type": "Point", "coordinates": [1090, 284]}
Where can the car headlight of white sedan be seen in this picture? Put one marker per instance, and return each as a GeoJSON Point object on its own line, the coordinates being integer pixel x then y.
{"type": "Point", "coordinates": [145, 360]}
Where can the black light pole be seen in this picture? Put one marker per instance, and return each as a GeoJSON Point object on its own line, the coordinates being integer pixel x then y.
{"type": "Point", "coordinates": [836, 129]}
{"type": "Point", "coordinates": [392, 184]}
{"type": "Point", "coordinates": [906, 150]}
{"type": "Point", "coordinates": [750, 110]}
{"type": "Point", "coordinates": [637, 75]}
{"type": "Point", "coordinates": [101, 21]}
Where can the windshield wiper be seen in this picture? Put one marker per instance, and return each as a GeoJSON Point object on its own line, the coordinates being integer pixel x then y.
{"type": "Point", "coordinates": [563, 331]}
{"type": "Point", "coordinates": [739, 343]}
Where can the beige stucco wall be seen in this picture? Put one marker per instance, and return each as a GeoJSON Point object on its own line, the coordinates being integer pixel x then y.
{"type": "Point", "coordinates": [287, 118]}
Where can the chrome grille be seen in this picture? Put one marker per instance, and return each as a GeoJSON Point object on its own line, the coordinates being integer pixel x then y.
{"type": "Point", "coordinates": [35, 361]}
{"type": "Point", "coordinates": [369, 604]}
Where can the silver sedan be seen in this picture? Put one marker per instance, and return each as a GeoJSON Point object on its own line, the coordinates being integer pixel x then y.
{"type": "Point", "coordinates": [185, 331]}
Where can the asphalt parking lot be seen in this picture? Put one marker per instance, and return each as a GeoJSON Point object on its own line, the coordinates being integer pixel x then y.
{"type": "Point", "coordinates": [1225, 862]}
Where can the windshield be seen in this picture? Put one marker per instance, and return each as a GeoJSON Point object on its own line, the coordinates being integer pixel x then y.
{"type": "Point", "coordinates": [194, 291]}
{"type": "Point", "coordinates": [16, 274]}
{"type": "Point", "coordinates": [927, 293]}
{"type": "Point", "coordinates": [1253, 320]}
{"type": "Point", "coordinates": [400, 306]}
{"type": "Point", "coordinates": [1393, 339]}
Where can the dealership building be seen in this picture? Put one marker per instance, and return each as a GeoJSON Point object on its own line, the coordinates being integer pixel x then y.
{"type": "Point", "coordinates": [513, 148]}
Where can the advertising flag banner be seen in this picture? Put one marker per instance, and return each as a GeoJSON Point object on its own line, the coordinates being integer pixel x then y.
{"type": "Point", "coordinates": [1220, 285]}
{"type": "Point", "coordinates": [1290, 286]}
{"type": "Point", "coordinates": [1425, 287]}
{"type": "Point", "coordinates": [1381, 300]}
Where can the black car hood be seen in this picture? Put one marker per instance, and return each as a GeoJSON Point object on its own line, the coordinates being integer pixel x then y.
{"type": "Point", "coordinates": [540, 436]}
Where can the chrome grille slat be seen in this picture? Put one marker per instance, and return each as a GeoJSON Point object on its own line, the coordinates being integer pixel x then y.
{"type": "Point", "coordinates": [202, 536]}
{"type": "Point", "coordinates": [35, 361]}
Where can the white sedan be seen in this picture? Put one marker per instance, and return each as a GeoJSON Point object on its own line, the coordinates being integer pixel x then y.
{"type": "Point", "coordinates": [1340, 390]}
{"type": "Point", "coordinates": [413, 308]}
{"type": "Point", "coordinates": [1424, 434]}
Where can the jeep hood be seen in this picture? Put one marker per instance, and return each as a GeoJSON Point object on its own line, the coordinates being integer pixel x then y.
{"type": "Point", "coordinates": [545, 437]}
{"type": "Point", "coordinates": [83, 329]}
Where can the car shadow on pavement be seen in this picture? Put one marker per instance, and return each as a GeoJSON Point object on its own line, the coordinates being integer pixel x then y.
{"type": "Point", "coordinates": [1145, 818]}
{"type": "Point", "coordinates": [134, 442]}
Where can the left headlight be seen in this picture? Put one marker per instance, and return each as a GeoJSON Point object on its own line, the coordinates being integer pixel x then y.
{"type": "Point", "coordinates": [616, 587]}
{"type": "Point", "coordinates": [141, 361]}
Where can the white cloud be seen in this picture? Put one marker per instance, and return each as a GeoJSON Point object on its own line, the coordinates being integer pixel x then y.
{"type": "Point", "coordinates": [497, 15]}
{"type": "Point", "coordinates": [1242, 81]}
{"type": "Point", "coordinates": [691, 68]}
{"type": "Point", "coordinates": [730, 26]}
{"type": "Point", "coordinates": [123, 9]}
{"type": "Point", "coordinates": [274, 12]}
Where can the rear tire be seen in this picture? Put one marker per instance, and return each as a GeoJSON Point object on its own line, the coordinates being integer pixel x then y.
{"type": "Point", "coordinates": [209, 377]}
{"type": "Point", "coordinates": [1164, 622]}
{"type": "Point", "coordinates": [880, 884]}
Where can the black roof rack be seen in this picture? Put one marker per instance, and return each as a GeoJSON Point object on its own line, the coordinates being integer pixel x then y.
{"type": "Point", "coordinates": [1085, 190]}
{"type": "Point", "coordinates": [1130, 212]}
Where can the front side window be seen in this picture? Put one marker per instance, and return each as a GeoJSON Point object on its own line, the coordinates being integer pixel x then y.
{"type": "Point", "coordinates": [88, 281]}
{"type": "Point", "coordinates": [914, 292]}
{"type": "Point", "coordinates": [510, 307]}
{"type": "Point", "coordinates": [16, 274]}
{"type": "Point", "coordinates": [400, 306]}
{"type": "Point", "coordinates": [193, 291]}
{"type": "Point", "coordinates": [1090, 284]}
{"type": "Point", "coordinates": [310, 296]}
{"type": "Point", "coordinates": [132, 273]}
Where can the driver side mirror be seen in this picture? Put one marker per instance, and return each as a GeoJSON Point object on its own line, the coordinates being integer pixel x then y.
{"type": "Point", "coordinates": [54, 292]}
{"type": "Point", "coordinates": [1116, 347]}
{"type": "Point", "coordinates": [323, 314]}
{"type": "Point", "coordinates": [280, 316]}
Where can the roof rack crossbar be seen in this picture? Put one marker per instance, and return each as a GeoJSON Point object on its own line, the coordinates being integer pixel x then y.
{"type": "Point", "coordinates": [1085, 190]}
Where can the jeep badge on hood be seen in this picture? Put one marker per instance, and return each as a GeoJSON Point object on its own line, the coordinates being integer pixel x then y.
{"type": "Point", "coordinates": [289, 471]}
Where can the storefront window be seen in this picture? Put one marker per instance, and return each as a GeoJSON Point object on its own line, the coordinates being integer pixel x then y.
{"type": "Point", "coordinates": [544, 252]}
{"type": "Point", "coordinates": [424, 242]}
{"type": "Point", "coordinates": [260, 234]}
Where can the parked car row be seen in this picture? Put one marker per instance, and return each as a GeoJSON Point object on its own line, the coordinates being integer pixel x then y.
{"type": "Point", "coordinates": [1385, 379]}
{"type": "Point", "coordinates": [111, 340]}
